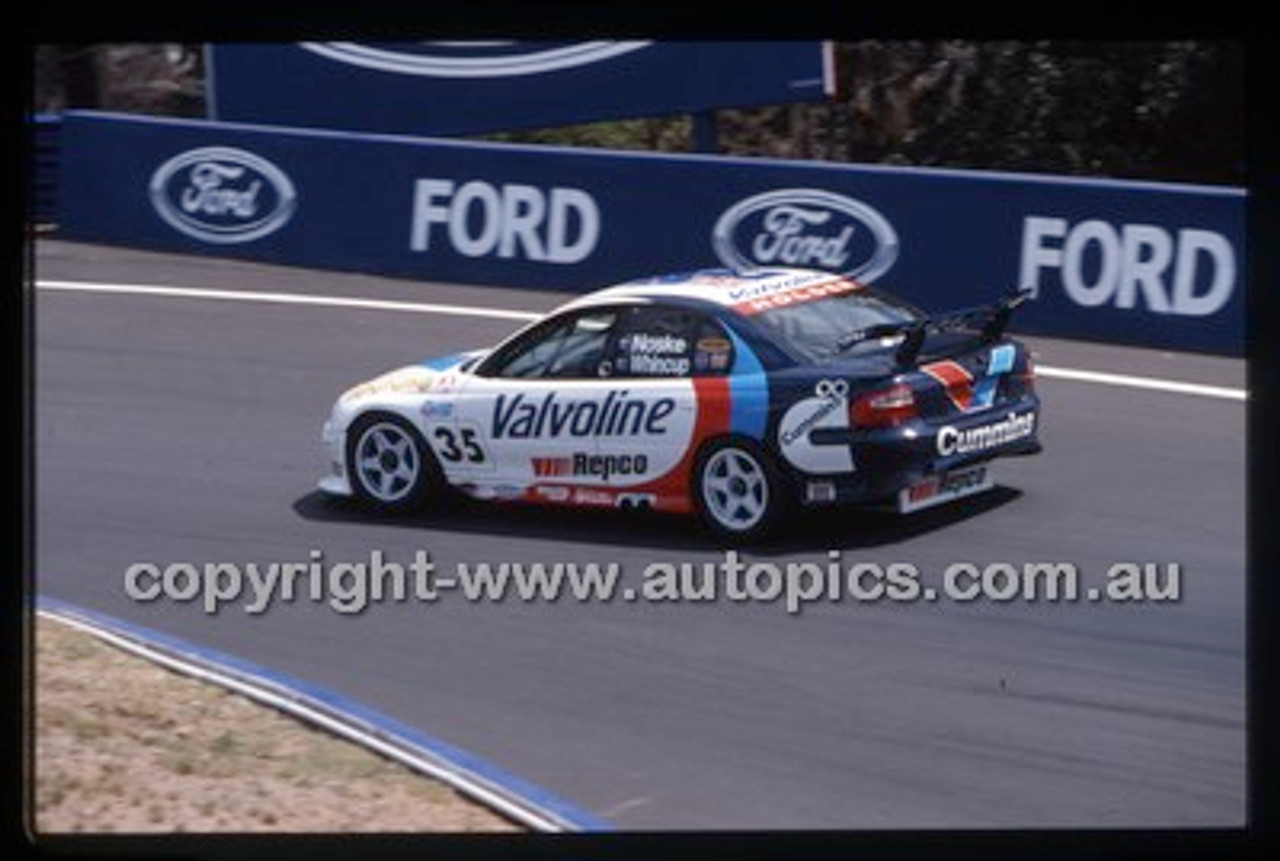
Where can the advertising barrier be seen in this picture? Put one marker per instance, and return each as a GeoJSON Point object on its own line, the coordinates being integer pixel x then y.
{"type": "Point", "coordinates": [450, 88]}
{"type": "Point", "coordinates": [1135, 263]}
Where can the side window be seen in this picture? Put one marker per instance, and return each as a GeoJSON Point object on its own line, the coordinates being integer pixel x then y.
{"type": "Point", "coordinates": [669, 341]}
{"type": "Point", "coordinates": [567, 349]}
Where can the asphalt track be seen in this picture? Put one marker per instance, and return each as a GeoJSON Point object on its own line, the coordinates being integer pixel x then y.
{"type": "Point", "coordinates": [187, 429]}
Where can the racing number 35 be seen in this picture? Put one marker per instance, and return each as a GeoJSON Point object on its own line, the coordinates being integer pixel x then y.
{"type": "Point", "coordinates": [457, 445]}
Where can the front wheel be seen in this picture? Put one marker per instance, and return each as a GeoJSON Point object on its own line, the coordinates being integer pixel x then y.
{"type": "Point", "coordinates": [390, 465]}
{"type": "Point", "coordinates": [739, 492]}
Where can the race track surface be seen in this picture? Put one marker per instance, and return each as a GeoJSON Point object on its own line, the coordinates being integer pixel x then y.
{"type": "Point", "coordinates": [184, 429]}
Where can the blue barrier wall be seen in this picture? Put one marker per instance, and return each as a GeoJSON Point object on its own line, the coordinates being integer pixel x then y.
{"type": "Point", "coordinates": [1138, 263]}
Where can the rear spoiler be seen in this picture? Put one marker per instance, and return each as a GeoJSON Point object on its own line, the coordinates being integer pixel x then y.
{"type": "Point", "coordinates": [988, 320]}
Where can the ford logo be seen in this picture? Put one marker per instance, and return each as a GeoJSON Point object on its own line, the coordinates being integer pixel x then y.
{"type": "Point", "coordinates": [477, 59]}
{"type": "Point", "coordinates": [806, 227]}
{"type": "Point", "coordinates": [222, 195]}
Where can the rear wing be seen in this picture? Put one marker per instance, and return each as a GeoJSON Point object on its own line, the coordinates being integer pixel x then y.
{"type": "Point", "coordinates": [988, 321]}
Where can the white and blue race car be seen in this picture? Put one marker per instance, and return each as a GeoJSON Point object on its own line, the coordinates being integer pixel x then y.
{"type": "Point", "coordinates": [736, 396]}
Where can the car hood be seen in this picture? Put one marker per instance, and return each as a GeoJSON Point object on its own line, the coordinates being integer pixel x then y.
{"type": "Point", "coordinates": [417, 378]}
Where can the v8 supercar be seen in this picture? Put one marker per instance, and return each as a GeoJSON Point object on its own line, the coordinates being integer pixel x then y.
{"type": "Point", "coordinates": [736, 396]}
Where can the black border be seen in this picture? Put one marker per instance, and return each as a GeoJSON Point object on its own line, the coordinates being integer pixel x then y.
{"type": "Point", "coordinates": [201, 21]}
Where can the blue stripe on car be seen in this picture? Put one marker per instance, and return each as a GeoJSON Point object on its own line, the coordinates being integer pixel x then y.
{"type": "Point", "coordinates": [748, 391]}
{"type": "Point", "coordinates": [1001, 362]}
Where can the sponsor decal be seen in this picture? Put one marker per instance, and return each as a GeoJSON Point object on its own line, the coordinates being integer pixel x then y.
{"type": "Point", "coordinates": [828, 408]}
{"type": "Point", "coordinates": [472, 59]}
{"type": "Point", "coordinates": [752, 285]}
{"type": "Point", "coordinates": [437, 409]}
{"type": "Point", "coordinates": [492, 492]}
{"type": "Point", "coordinates": [834, 389]}
{"type": "Point", "coordinates": [589, 496]}
{"type": "Point", "coordinates": [553, 492]}
{"type": "Point", "coordinates": [806, 227]}
{"type": "Point", "coordinates": [602, 466]}
{"type": "Point", "coordinates": [951, 440]}
{"type": "Point", "coordinates": [642, 343]}
{"type": "Point", "coordinates": [948, 483]}
{"type": "Point", "coordinates": [550, 467]}
{"type": "Point", "coordinates": [926, 489]}
{"type": "Point", "coordinates": [646, 365]}
{"type": "Point", "coordinates": [712, 354]}
{"type": "Point", "coordinates": [412, 379]}
{"type": "Point", "coordinates": [605, 465]}
{"type": "Point", "coordinates": [564, 495]}
{"type": "Point", "coordinates": [443, 384]}
{"type": "Point", "coordinates": [827, 403]}
{"type": "Point", "coordinates": [222, 195]}
{"type": "Point", "coordinates": [617, 414]}
{"type": "Point", "coordinates": [654, 355]}
{"type": "Point", "coordinates": [796, 295]}
{"type": "Point", "coordinates": [937, 489]}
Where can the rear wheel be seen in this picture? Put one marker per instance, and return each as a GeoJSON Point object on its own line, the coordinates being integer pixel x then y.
{"type": "Point", "coordinates": [390, 465]}
{"type": "Point", "coordinates": [739, 492]}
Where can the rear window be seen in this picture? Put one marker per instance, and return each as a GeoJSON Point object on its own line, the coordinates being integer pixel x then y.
{"type": "Point", "coordinates": [816, 328]}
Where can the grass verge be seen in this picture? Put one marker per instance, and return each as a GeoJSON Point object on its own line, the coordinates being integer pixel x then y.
{"type": "Point", "coordinates": [123, 745]}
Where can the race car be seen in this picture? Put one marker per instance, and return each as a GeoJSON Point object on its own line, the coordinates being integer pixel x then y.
{"type": "Point", "coordinates": [739, 396]}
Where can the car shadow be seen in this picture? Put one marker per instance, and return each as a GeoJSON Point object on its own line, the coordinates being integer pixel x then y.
{"type": "Point", "coordinates": [840, 528]}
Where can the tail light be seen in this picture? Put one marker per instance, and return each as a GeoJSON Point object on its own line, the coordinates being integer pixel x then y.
{"type": "Point", "coordinates": [1028, 375]}
{"type": "Point", "coordinates": [884, 408]}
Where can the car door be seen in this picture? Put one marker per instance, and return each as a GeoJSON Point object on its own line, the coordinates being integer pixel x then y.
{"type": "Point", "coordinates": [529, 414]}
{"type": "Point", "coordinates": [675, 359]}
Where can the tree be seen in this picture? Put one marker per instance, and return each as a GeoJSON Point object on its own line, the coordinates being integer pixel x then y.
{"type": "Point", "coordinates": [1143, 110]}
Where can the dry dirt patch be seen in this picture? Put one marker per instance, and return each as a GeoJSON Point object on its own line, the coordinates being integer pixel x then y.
{"type": "Point", "coordinates": [122, 745]}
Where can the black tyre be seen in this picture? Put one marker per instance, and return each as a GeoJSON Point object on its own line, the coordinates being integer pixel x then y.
{"type": "Point", "coordinates": [390, 465]}
{"type": "Point", "coordinates": [740, 494]}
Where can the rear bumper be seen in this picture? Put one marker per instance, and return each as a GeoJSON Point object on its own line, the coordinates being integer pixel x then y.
{"type": "Point", "coordinates": [887, 461]}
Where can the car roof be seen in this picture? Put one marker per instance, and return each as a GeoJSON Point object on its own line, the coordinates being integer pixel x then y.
{"type": "Point", "coordinates": [717, 287]}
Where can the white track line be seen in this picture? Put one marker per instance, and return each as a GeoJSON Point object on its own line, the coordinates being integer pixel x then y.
{"type": "Point", "coordinates": [1142, 383]}
{"type": "Point", "coordinates": [1047, 371]}
{"type": "Point", "coordinates": [288, 299]}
